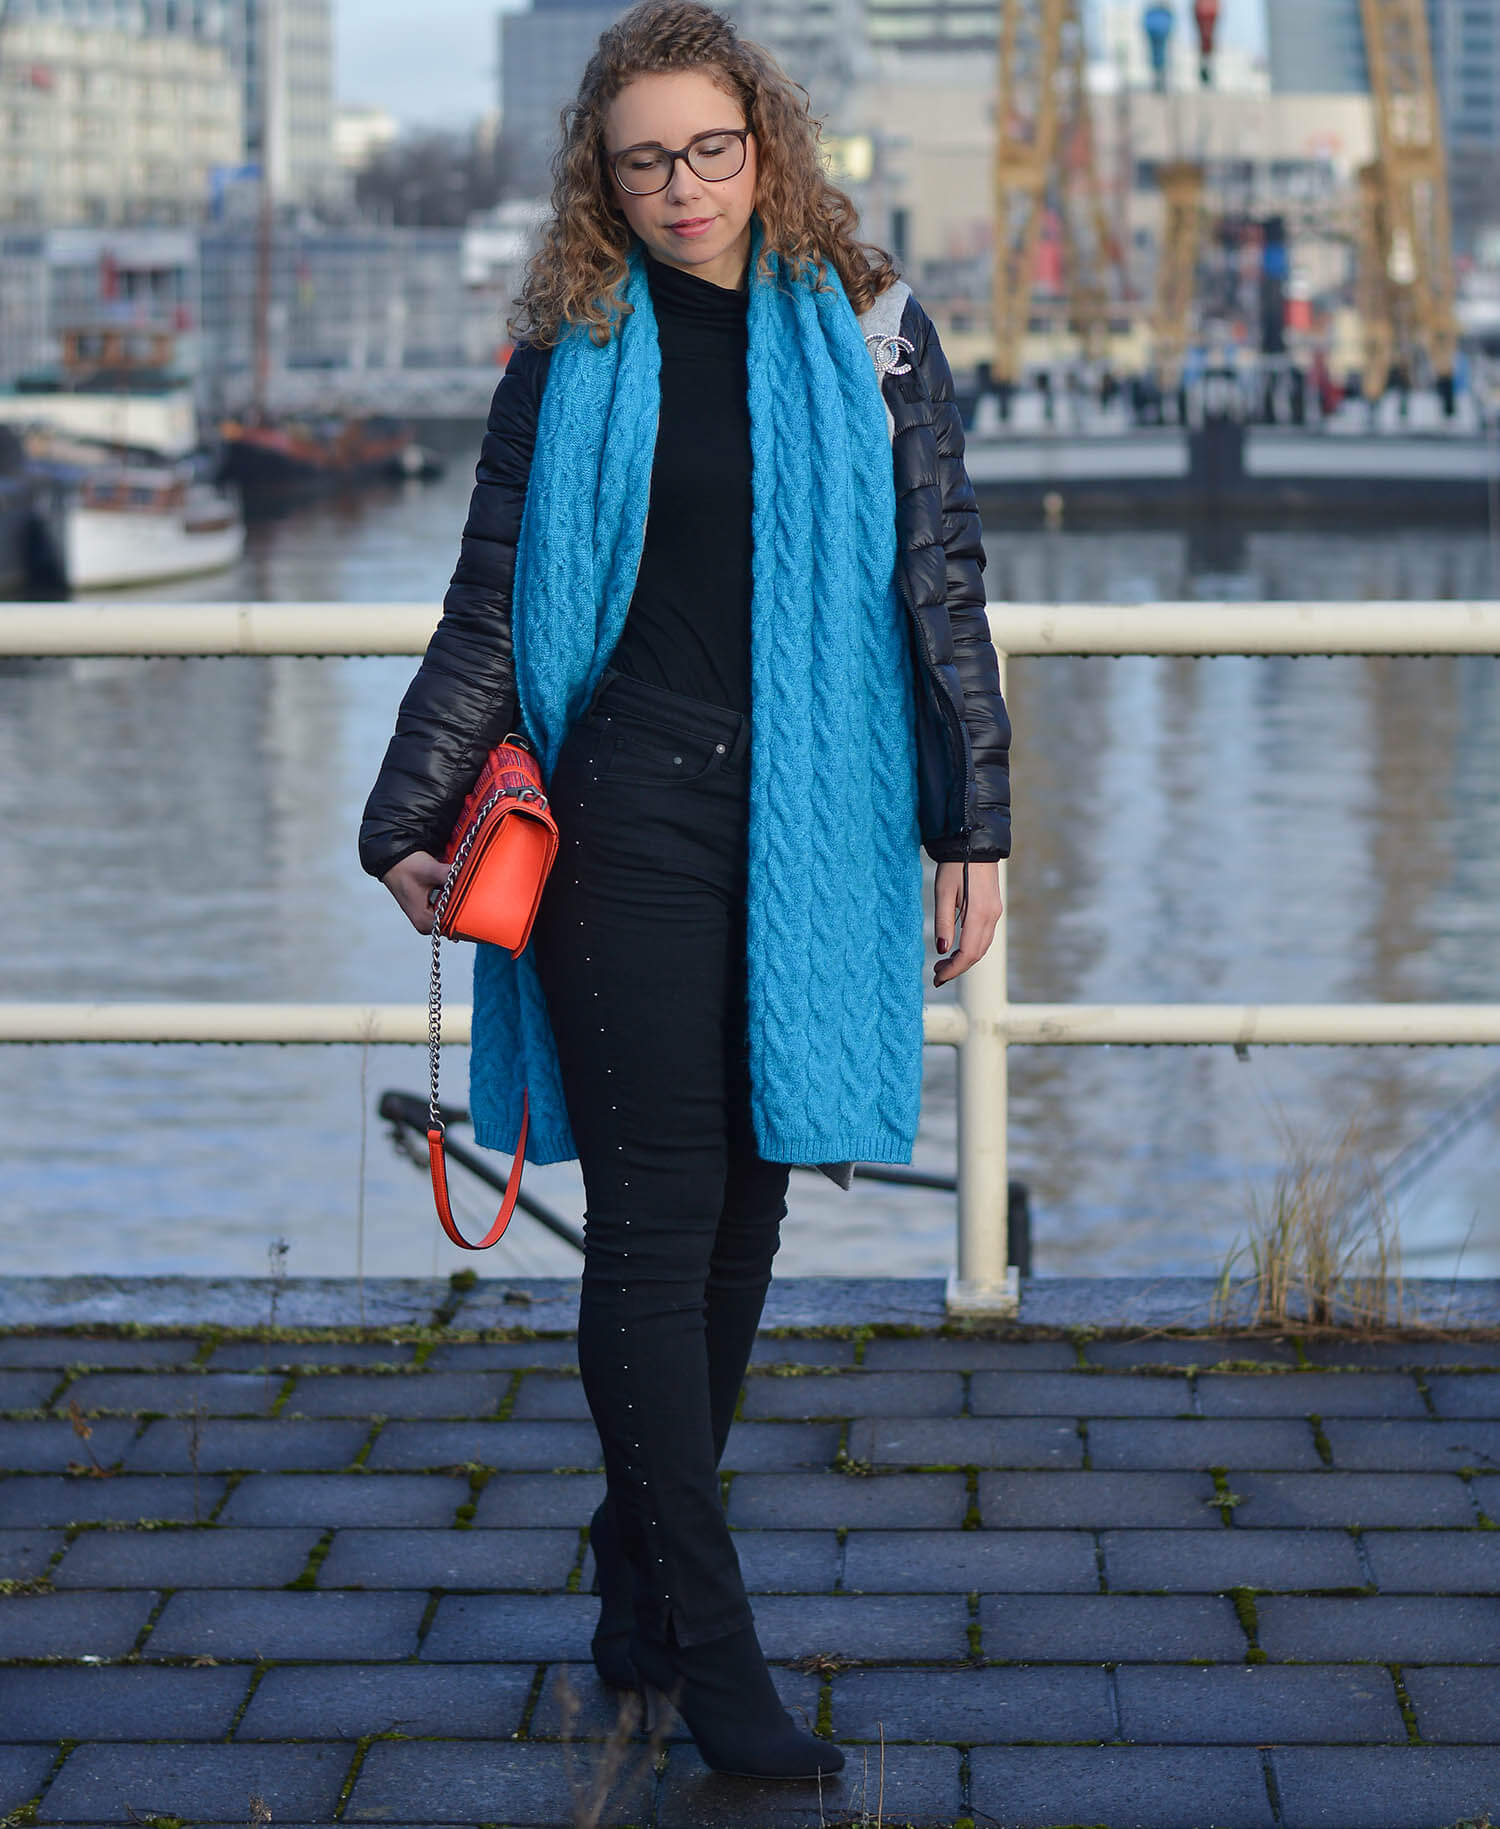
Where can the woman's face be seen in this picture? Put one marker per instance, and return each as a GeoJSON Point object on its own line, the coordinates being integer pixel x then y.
{"type": "Point", "coordinates": [699, 224]}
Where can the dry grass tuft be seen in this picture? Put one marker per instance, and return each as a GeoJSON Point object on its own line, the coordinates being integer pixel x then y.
{"type": "Point", "coordinates": [1324, 1247]}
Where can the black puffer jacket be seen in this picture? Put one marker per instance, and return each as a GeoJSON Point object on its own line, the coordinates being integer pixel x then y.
{"type": "Point", "coordinates": [463, 698]}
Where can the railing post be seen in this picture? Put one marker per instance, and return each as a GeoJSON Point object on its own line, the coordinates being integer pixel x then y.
{"type": "Point", "coordinates": [984, 1282]}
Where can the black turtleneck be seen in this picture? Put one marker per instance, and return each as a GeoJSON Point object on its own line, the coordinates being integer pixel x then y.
{"type": "Point", "coordinates": [688, 626]}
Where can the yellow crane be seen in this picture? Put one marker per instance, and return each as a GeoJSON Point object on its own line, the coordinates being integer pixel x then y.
{"type": "Point", "coordinates": [1045, 157]}
{"type": "Point", "coordinates": [1025, 153]}
{"type": "Point", "coordinates": [1406, 254]}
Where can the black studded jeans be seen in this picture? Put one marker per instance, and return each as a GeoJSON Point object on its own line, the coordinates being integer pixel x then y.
{"type": "Point", "coordinates": [640, 946]}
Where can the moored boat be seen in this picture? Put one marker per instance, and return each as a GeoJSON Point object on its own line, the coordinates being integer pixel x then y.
{"type": "Point", "coordinates": [286, 459]}
{"type": "Point", "coordinates": [132, 525]}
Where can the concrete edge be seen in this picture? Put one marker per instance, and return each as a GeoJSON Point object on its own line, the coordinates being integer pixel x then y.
{"type": "Point", "coordinates": [550, 1304]}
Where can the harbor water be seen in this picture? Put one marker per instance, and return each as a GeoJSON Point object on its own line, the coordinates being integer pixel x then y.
{"type": "Point", "coordinates": [1186, 830]}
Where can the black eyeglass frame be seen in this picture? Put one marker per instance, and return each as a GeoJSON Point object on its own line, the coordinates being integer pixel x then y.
{"type": "Point", "coordinates": [742, 134]}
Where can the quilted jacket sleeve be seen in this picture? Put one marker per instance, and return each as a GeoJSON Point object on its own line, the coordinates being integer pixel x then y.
{"type": "Point", "coordinates": [463, 698]}
{"type": "Point", "coordinates": [985, 714]}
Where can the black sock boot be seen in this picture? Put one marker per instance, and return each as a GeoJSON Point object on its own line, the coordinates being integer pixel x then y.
{"type": "Point", "coordinates": [724, 1692]}
{"type": "Point", "coordinates": [614, 1583]}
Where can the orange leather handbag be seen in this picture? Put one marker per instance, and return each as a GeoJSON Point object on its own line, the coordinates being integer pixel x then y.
{"type": "Point", "coordinates": [502, 847]}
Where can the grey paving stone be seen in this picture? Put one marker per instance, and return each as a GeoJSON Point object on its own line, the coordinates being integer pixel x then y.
{"type": "Point", "coordinates": [1476, 1395]}
{"type": "Point", "coordinates": [49, 1447]}
{"type": "Point", "coordinates": [1310, 1394]}
{"type": "Point", "coordinates": [25, 1553]}
{"type": "Point", "coordinates": [47, 1499]}
{"type": "Point", "coordinates": [95, 1349]}
{"type": "Point", "coordinates": [525, 1500]}
{"type": "Point", "coordinates": [22, 1773]}
{"type": "Point", "coordinates": [346, 1702]}
{"type": "Point", "coordinates": [1096, 1501]}
{"type": "Point", "coordinates": [501, 1355]}
{"type": "Point", "coordinates": [1430, 1352]}
{"type": "Point", "coordinates": [119, 1702]}
{"type": "Point", "coordinates": [921, 1788]}
{"type": "Point", "coordinates": [465, 1394]}
{"type": "Point", "coordinates": [575, 1705]}
{"type": "Point", "coordinates": [22, 1770]}
{"type": "Point", "coordinates": [803, 1349]}
{"type": "Point", "coordinates": [1198, 1350]}
{"type": "Point", "coordinates": [864, 1626]}
{"type": "Point", "coordinates": [490, 1628]}
{"type": "Point", "coordinates": [173, 1393]}
{"type": "Point", "coordinates": [105, 1783]}
{"type": "Point", "coordinates": [275, 1624]}
{"type": "Point", "coordinates": [1108, 1628]}
{"type": "Point", "coordinates": [1435, 1562]}
{"type": "Point", "coordinates": [1133, 1787]}
{"type": "Point", "coordinates": [1455, 1703]}
{"type": "Point", "coordinates": [1486, 1493]}
{"type": "Point", "coordinates": [1430, 1447]}
{"type": "Point", "coordinates": [1417, 1786]}
{"type": "Point", "coordinates": [939, 1353]}
{"type": "Point", "coordinates": [25, 1390]}
{"type": "Point", "coordinates": [973, 1707]}
{"type": "Point", "coordinates": [271, 1445]}
{"type": "Point", "coordinates": [1395, 1630]}
{"type": "Point", "coordinates": [853, 1394]}
{"type": "Point", "coordinates": [185, 1559]}
{"type": "Point", "coordinates": [814, 1501]}
{"type": "Point", "coordinates": [1250, 1704]}
{"type": "Point", "coordinates": [966, 1441]}
{"type": "Point", "coordinates": [781, 1562]}
{"type": "Point", "coordinates": [1291, 1501]}
{"type": "Point", "coordinates": [1213, 1562]}
{"type": "Point", "coordinates": [449, 1559]}
{"type": "Point", "coordinates": [523, 1447]}
{"type": "Point", "coordinates": [331, 1499]}
{"type": "Point", "coordinates": [551, 1397]}
{"type": "Point", "coordinates": [71, 1625]}
{"type": "Point", "coordinates": [285, 1356]}
{"type": "Point", "coordinates": [1076, 1394]}
{"type": "Point", "coordinates": [1118, 1445]}
{"type": "Point", "coordinates": [958, 1562]}
{"type": "Point", "coordinates": [418, 1781]}
{"type": "Point", "coordinates": [780, 1447]}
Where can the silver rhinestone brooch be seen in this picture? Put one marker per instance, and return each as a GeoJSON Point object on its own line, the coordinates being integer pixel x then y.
{"type": "Point", "coordinates": [885, 350]}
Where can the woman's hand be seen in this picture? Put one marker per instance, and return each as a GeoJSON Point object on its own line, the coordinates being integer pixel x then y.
{"type": "Point", "coordinates": [412, 880]}
{"type": "Point", "coordinates": [985, 910]}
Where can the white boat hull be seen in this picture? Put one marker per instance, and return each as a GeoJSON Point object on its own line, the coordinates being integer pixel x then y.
{"type": "Point", "coordinates": [106, 548]}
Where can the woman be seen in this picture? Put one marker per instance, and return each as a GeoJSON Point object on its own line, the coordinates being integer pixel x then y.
{"type": "Point", "coordinates": [751, 652]}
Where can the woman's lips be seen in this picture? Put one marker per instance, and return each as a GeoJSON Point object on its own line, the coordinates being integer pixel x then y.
{"type": "Point", "coordinates": [693, 226]}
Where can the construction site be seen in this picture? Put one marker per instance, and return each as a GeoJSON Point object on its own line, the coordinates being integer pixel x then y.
{"type": "Point", "coordinates": [1262, 279]}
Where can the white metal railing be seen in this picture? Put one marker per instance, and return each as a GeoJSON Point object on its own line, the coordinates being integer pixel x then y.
{"type": "Point", "coordinates": [983, 1025]}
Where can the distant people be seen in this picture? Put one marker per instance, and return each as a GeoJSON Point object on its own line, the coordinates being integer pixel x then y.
{"type": "Point", "coordinates": [725, 976]}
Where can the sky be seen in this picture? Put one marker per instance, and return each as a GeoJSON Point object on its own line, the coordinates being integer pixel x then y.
{"type": "Point", "coordinates": [434, 64]}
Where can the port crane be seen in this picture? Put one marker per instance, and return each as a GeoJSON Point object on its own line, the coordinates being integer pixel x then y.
{"type": "Point", "coordinates": [1406, 242]}
{"type": "Point", "coordinates": [1045, 159]}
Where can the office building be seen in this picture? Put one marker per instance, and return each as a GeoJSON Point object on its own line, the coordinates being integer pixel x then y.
{"type": "Point", "coordinates": [102, 126]}
{"type": "Point", "coordinates": [285, 43]}
{"type": "Point", "coordinates": [542, 55]}
{"type": "Point", "coordinates": [1466, 63]}
{"type": "Point", "coordinates": [1316, 49]}
{"type": "Point", "coordinates": [1322, 47]}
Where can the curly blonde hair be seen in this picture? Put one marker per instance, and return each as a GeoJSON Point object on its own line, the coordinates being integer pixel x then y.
{"type": "Point", "coordinates": [578, 273]}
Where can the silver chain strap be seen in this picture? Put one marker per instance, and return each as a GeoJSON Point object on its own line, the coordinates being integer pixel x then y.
{"type": "Point", "coordinates": [439, 909]}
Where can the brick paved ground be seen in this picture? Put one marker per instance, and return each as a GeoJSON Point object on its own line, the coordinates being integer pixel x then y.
{"type": "Point", "coordinates": [1162, 1583]}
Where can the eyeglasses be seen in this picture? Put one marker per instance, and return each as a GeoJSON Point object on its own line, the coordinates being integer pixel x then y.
{"type": "Point", "coordinates": [715, 156]}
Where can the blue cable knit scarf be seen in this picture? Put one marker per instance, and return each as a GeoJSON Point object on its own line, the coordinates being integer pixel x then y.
{"type": "Point", "coordinates": [834, 914]}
